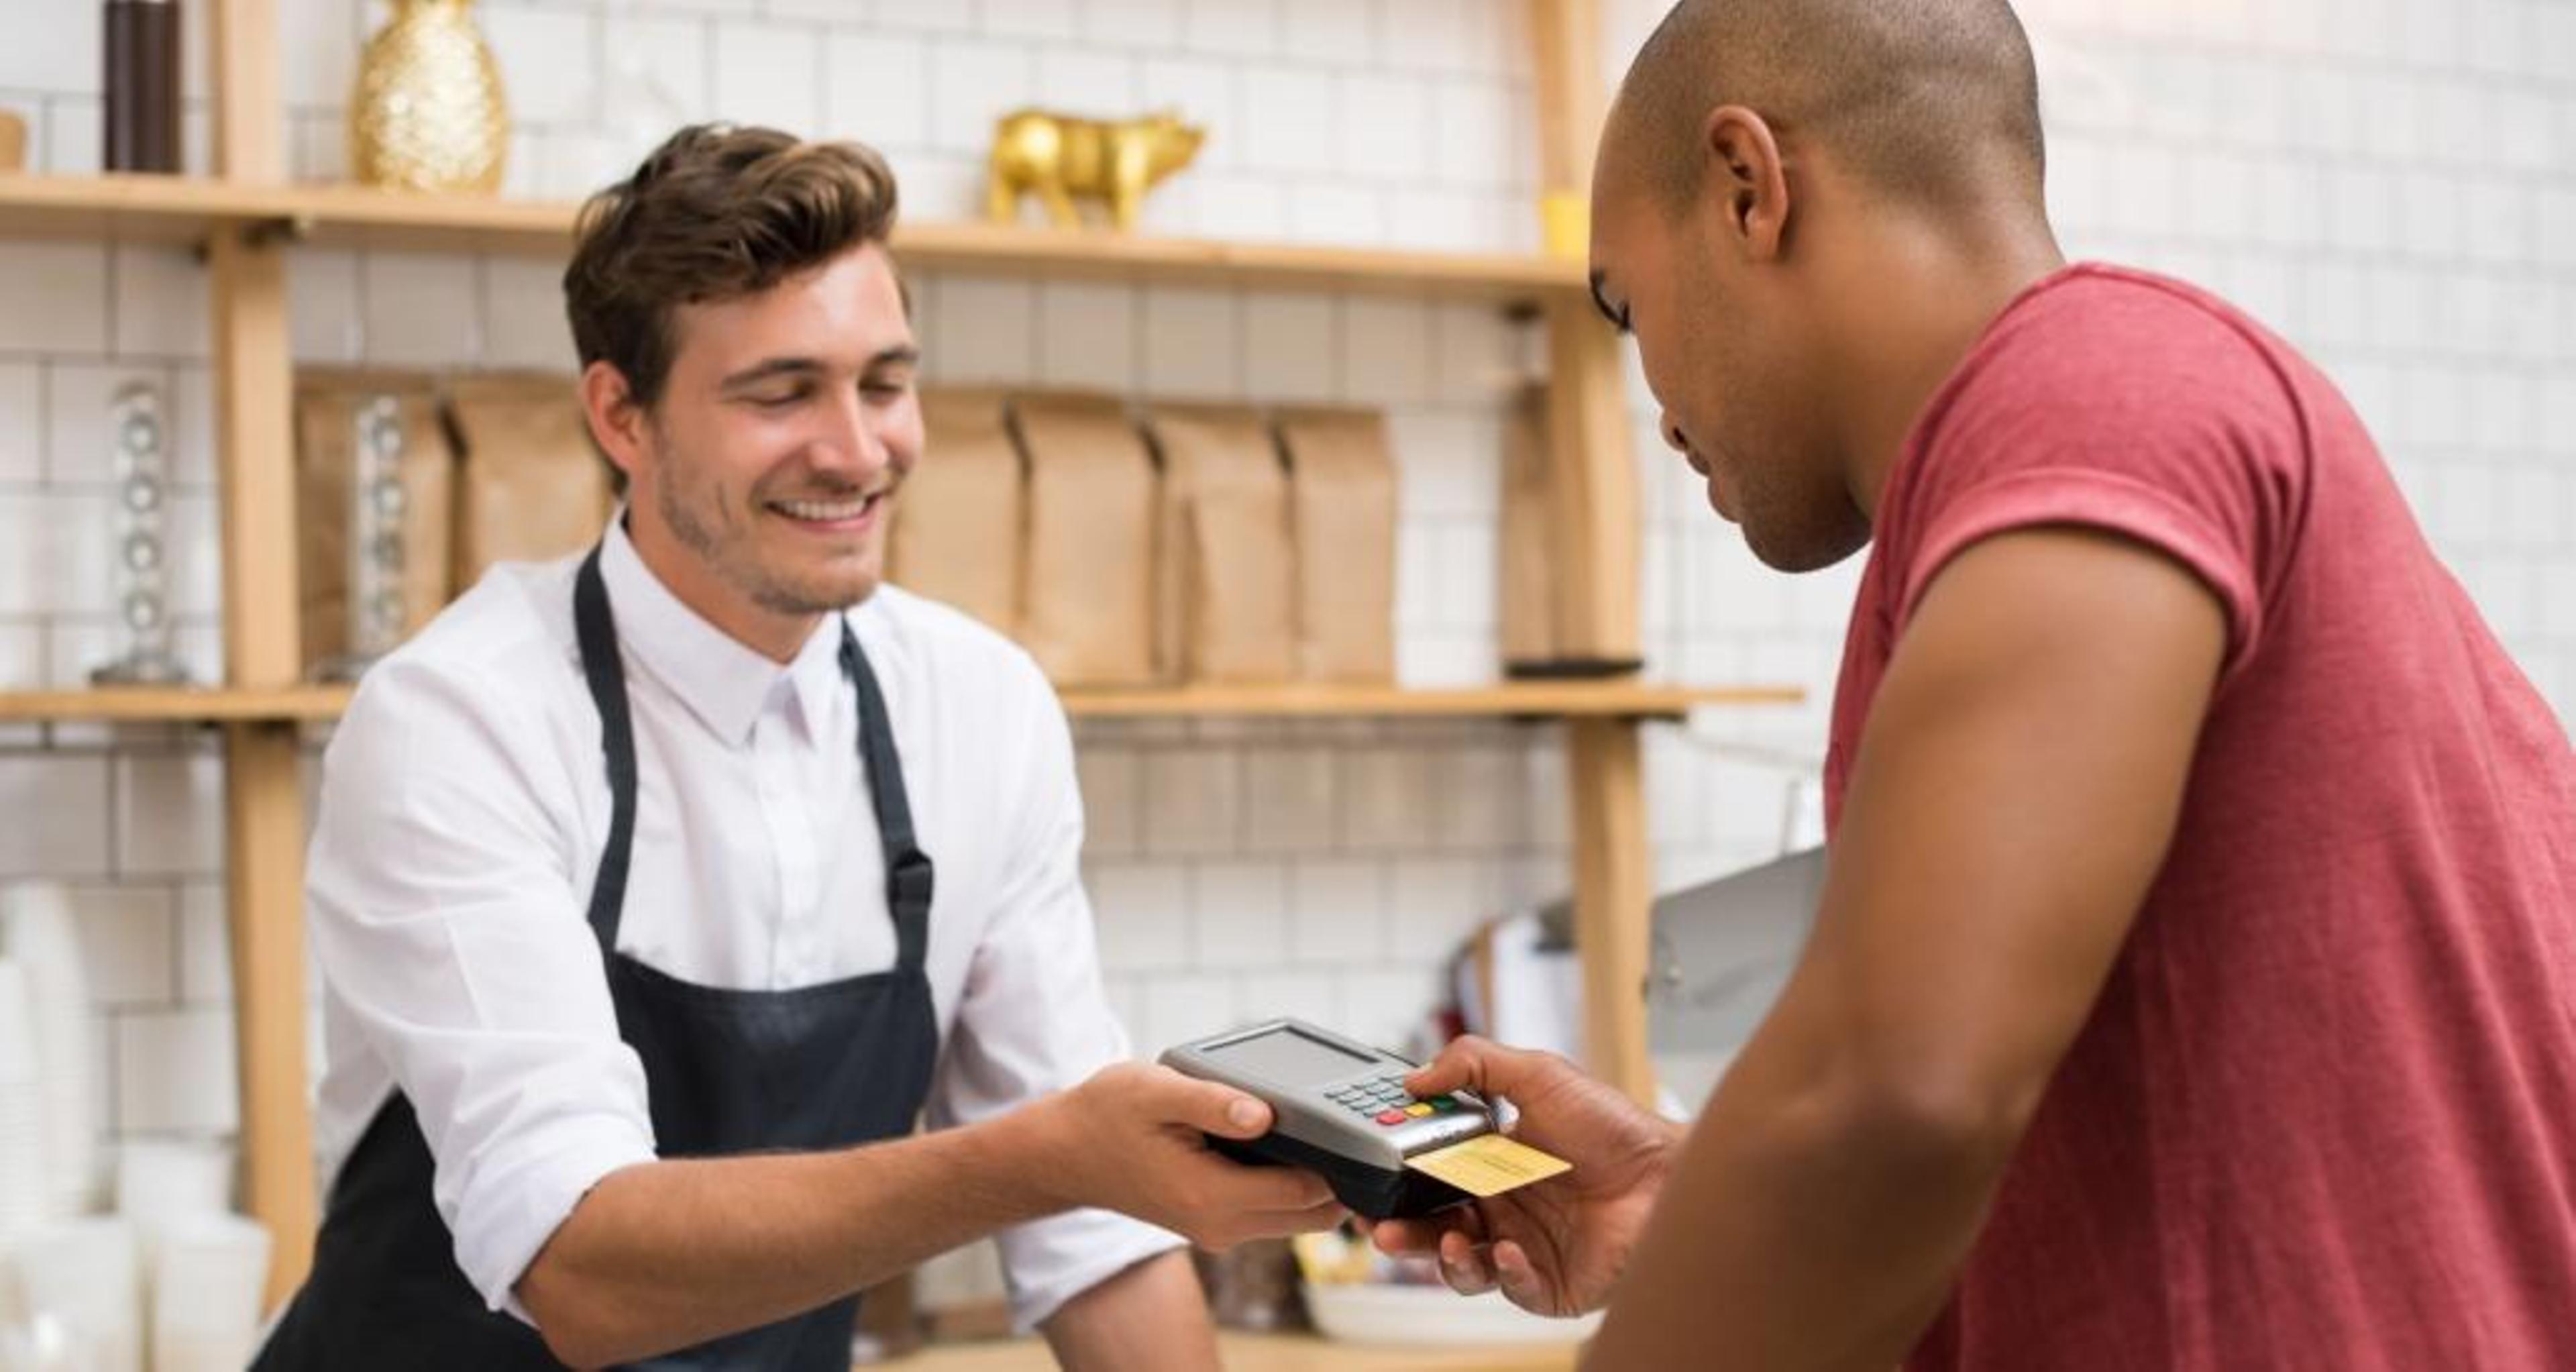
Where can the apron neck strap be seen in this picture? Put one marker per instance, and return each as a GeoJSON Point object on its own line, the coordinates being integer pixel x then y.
{"type": "Point", "coordinates": [602, 670]}
{"type": "Point", "coordinates": [908, 870]}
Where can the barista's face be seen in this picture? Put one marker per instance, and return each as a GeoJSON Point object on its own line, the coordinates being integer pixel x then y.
{"type": "Point", "coordinates": [787, 424]}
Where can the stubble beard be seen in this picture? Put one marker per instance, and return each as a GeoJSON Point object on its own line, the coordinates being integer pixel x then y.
{"type": "Point", "coordinates": [732, 553]}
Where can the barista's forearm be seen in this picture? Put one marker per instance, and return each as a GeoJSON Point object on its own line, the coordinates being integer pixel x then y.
{"type": "Point", "coordinates": [670, 1254]}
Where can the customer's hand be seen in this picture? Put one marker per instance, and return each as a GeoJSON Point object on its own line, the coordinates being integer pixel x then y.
{"type": "Point", "coordinates": [1133, 1139]}
{"type": "Point", "coordinates": [1554, 1246]}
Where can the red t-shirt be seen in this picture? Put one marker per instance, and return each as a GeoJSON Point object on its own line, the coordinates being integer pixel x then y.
{"type": "Point", "coordinates": [2324, 1113]}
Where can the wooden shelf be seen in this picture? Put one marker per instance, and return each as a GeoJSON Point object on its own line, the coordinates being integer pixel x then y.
{"type": "Point", "coordinates": [188, 210]}
{"type": "Point", "coordinates": [122, 207]}
{"type": "Point", "coordinates": [1523, 699]}
{"type": "Point", "coordinates": [1541, 700]}
{"type": "Point", "coordinates": [173, 705]}
{"type": "Point", "coordinates": [1272, 1353]}
{"type": "Point", "coordinates": [998, 250]}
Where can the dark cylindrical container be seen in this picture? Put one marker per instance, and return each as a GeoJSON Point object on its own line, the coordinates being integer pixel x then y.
{"type": "Point", "coordinates": [142, 50]}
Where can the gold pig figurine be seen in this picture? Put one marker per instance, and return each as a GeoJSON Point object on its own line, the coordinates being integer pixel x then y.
{"type": "Point", "coordinates": [1060, 156]}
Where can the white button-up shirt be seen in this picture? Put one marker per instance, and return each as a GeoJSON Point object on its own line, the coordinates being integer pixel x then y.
{"type": "Point", "coordinates": [464, 809]}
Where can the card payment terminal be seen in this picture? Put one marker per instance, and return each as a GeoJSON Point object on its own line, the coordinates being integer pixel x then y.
{"type": "Point", "coordinates": [1340, 1110]}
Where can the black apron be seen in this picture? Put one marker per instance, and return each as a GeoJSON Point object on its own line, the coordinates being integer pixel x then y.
{"type": "Point", "coordinates": [728, 1071]}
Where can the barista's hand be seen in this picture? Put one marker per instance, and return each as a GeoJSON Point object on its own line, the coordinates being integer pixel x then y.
{"type": "Point", "coordinates": [1132, 1139]}
{"type": "Point", "coordinates": [1555, 1246]}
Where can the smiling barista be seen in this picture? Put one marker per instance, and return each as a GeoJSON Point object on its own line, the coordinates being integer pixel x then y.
{"type": "Point", "coordinates": [657, 891]}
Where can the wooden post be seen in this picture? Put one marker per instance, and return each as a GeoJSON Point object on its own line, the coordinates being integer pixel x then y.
{"type": "Point", "coordinates": [1565, 39]}
{"type": "Point", "coordinates": [1593, 483]}
{"type": "Point", "coordinates": [250, 105]}
{"type": "Point", "coordinates": [263, 787]}
{"type": "Point", "coordinates": [264, 880]}
{"type": "Point", "coordinates": [254, 416]}
{"type": "Point", "coordinates": [1612, 902]}
{"type": "Point", "coordinates": [1593, 490]}
{"type": "Point", "coordinates": [264, 804]}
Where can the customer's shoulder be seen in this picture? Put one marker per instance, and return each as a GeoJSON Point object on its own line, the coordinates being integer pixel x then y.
{"type": "Point", "coordinates": [2112, 350]}
{"type": "Point", "coordinates": [2108, 318]}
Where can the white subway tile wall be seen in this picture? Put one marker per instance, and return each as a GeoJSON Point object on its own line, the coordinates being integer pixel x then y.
{"type": "Point", "coordinates": [1315, 869]}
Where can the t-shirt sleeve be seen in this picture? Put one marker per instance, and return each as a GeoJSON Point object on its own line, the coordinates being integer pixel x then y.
{"type": "Point", "coordinates": [2153, 420]}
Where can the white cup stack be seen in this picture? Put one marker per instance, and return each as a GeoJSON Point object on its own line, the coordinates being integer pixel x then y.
{"type": "Point", "coordinates": [37, 933]}
{"type": "Point", "coordinates": [24, 1203]}
{"type": "Point", "coordinates": [162, 1181]}
{"type": "Point", "coordinates": [41, 1343]}
{"type": "Point", "coordinates": [206, 1287]}
{"type": "Point", "coordinates": [84, 1280]}
{"type": "Point", "coordinates": [162, 1186]}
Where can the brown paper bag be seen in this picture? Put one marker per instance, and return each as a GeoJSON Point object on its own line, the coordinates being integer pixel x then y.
{"type": "Point", "coordinates": [1087, 586]}
{"type": "Point", "coordinates": [1242, 598]}
{"type": "Point", "coordinates": [1341, 476]}
{"type": "Point", "coordinates": [331, 406]}
{"type": "Point", "coordinates": [956, 535]}
{"type": "Point", "coordinates": [530, 486]}
{"type": "Point", "coordinates": [1528, 538]}
{"type": "Point", "coordinates": [1225, 593]}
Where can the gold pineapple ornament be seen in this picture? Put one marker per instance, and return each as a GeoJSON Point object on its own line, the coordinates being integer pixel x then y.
{"type": "Point", "coordinates": [428, 113]}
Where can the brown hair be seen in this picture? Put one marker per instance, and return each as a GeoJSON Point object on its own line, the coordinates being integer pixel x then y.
{"type": "Point", "coordinates": [715, 213]}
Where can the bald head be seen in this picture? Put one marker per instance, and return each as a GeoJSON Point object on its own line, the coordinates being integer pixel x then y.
{"type": "Point", "coordinates": [1934, 102]}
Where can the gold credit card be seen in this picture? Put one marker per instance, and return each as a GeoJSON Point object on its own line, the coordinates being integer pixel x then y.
{"type": "Point", "coordinates": [1489, 1165]}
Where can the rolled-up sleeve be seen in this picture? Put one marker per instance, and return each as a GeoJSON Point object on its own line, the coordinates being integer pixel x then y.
{"type": "Point", "coordinates": [446, 903]}
{"type": "Point", "coordinates": [1033, 1019]}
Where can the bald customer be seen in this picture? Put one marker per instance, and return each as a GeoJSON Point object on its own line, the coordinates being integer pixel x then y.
{"type": "Point", "coordinates": [2195, 979]}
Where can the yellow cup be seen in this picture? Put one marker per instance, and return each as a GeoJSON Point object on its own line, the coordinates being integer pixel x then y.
{"type": "Point", "coordinates": [1565, 224]}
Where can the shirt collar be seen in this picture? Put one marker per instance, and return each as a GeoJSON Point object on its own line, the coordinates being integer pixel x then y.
{"type": "Point", "coordinates": [725, 683]}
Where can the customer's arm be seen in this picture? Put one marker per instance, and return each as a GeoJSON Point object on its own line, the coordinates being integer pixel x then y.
{"type": "Point", "coordinates": [2016, 789]}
